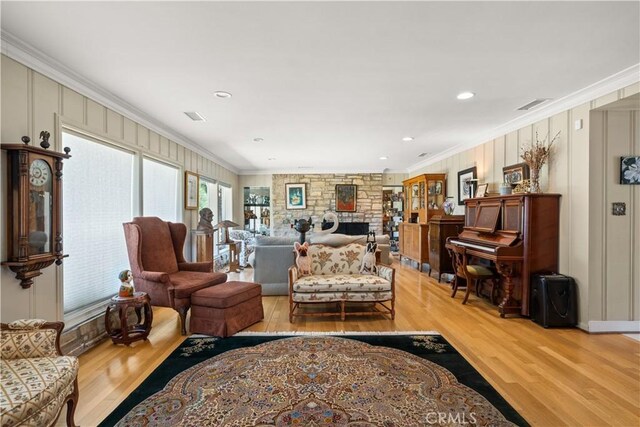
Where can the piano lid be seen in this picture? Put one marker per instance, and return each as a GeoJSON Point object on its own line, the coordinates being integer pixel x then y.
{"type": "Point", "coordinates": [487, 215]}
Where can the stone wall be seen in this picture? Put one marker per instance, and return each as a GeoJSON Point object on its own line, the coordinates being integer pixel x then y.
{"type": "Point", "coordinates": [321, 197]}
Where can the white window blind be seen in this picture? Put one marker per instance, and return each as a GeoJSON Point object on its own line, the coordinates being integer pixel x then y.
{"type": "Point", "coordinates": [160, 190]}
{"type": "Point", "coordinates": [209, 197]}
{"type": "Point", "coordinates": [225, 203]}
{"type": "Point", "coordinates": [98, 183]}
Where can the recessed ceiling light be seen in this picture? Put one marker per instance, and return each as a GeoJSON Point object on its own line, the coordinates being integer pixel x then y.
{"type": "Point", "coordinates": [383, 158]}
{"type": "Point", "coordinates": [407, 138]}
{"type": "Point", "coordinates": [195, 116]}
{"type": "Point", "coordinates": [222, 94]}
{"type": "Point", "coordinates": [466, 95]}
{"type": "Point", "coordinates": [258, 139]}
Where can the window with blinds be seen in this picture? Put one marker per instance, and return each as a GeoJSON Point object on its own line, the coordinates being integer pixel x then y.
{"type": "Point", "coordinates": [225, 202]}
{"type": "Point", "coordinates": [97, 199]}
{"type": "Point", "coordinates": [160, 190]}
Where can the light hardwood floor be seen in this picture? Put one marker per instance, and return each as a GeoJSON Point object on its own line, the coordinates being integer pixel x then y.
{"type": "Point", "coordinates": [553, 377]}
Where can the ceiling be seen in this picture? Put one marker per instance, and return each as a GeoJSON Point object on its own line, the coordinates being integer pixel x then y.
{"type": "Point", "coordinates": [332, 86]}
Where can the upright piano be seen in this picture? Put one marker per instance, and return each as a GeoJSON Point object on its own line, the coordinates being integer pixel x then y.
{"type": "Point", "coordinates": [518, 234]}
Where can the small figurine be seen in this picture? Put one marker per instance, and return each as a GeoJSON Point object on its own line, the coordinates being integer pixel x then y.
{"type": "Point", "coordinates": [302, 259]}
{"type": "Point", "coordinates": [126, 284]}
{"type": "Point", "coordinates": [44, 136]}
{"type": "Point", "coordinates": [206, 216]}
{"type": "Point", "coordinates": [369, 259]}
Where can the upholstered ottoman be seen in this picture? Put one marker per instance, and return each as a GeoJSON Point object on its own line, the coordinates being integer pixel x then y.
{"type": "Point", "coordinates": [222, 310]}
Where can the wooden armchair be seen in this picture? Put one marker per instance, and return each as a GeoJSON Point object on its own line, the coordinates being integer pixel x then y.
{"type": "Point", "coordinates": [474, 275]}
{"type": "Point", "coordinates": [37, 380]}
{"type": "Point", "coordinates": [159, 268]}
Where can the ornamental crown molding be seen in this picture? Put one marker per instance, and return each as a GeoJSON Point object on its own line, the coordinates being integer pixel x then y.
{"type": "Point", "coordinates": [605, 86]}
{"type": "Point", "coordinates": [44, 64]}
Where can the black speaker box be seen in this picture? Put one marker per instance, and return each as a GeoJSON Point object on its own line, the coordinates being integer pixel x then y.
{"type": "Point", "coordinates": [553, 300]}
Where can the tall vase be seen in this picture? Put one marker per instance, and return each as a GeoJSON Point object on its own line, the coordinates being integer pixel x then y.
{"type": "Point", "coordinates": [535, 181]}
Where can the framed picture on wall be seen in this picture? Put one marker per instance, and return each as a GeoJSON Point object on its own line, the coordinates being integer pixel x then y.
{"type": "Point", "coordinates": [296, 196]}
{"type": "Point", "coordinates": [346, 198]}
{"type": "Point", "coordinates": [466, 182]}
{"type": "Point", "coordinates": [190, 190]}
{"type": "Point", "coordinates": [515, 174]}
{"type": "Point", "coordinates": [630, 170]}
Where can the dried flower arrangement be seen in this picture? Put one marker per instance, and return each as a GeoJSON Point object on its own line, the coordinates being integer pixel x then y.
{"type": "Point", "coordinates": [537, 154]}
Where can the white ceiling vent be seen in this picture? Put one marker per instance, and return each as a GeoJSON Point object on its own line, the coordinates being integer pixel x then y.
{"type": "Point", "coordinates": [195, 116]}
{"type": "Point", "coordinates": [533, 103]}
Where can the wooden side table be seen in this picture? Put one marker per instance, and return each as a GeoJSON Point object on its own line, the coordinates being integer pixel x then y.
{"type": "Point", "coordinates": [234, 256]}
{"type": "Point", "coordinates": [202, 246]}
{"type": "Point", "coordinates": [127, 334]}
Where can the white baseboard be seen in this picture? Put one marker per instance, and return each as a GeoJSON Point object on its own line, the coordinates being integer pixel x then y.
{"type": "Point", "coordinates": [596, 326]}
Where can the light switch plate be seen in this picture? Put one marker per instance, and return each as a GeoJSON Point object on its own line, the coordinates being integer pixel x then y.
{"type": "Point", "coordinates": [577, 124]}
{"type": "Point", "coordinates": [619, 208]}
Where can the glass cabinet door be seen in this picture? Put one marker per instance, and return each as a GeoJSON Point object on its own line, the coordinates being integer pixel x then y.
{"type": "Point", "coordinates": [436, 194]}
{"type": "Point", "coordinates": [415, 197]}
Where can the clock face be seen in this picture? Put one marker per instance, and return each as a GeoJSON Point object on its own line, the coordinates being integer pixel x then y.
{"type": "Point", "coordinates": [39, 172]}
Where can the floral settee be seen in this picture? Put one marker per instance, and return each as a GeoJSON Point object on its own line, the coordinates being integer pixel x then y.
{"type": "Point", "coordinates": [37, 380]}
{"type": "Point", "coordinates": [336, 278]}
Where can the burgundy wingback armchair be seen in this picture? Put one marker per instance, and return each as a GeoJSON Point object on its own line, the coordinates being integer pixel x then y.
{"type": "Point", "coordinates": [159, 268]}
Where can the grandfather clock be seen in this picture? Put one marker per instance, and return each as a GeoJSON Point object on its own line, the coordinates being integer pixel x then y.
{"type": "Point", "coordinates": [34, 208]}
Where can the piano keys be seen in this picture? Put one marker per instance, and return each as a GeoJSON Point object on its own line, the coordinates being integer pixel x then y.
{"type": "Point", "coordinates": [516, 233]}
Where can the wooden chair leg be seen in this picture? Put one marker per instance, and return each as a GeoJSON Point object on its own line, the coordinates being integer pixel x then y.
{"type": "Point", "coordinates": [182, 311]}
{"type": "Point", "coordinates": [468, 291]}
{"type": "Point", "coordinates": [71, 405]}
{"type": "Point", "coordinates": [454, 287]}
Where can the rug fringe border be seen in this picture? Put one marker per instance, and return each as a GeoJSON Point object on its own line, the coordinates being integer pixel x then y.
{"type": "Point", "coordinates": [305, 333]}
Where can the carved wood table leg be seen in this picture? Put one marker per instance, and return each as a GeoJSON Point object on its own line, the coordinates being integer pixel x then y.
{"type": "Point", "coordinates": [509, 305]}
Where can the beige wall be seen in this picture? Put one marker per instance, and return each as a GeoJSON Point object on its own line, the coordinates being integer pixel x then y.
{"type": "Point", "coordinates": [394, 178]}
{"type": "Point", "coordinates": [32, 102]}
{"type": "Point", "coordinates": [568, 174]}
{"type": "Point", "coordinates": [614, 267]}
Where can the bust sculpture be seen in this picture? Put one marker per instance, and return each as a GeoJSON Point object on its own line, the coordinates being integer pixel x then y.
{"type": "Point", "coordinates": [206, 216]}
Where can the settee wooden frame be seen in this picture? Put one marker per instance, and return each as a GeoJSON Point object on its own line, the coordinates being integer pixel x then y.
{"type": "Point", "coordinates": [295, 306]}
{"type": "Point", "coordinates": [71, 400]}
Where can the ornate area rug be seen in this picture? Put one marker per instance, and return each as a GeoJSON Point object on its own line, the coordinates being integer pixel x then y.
{"type": "Point", "coordinates": [344, 380]}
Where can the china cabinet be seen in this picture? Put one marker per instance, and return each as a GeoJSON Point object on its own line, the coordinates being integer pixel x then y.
{"type": "Point", "coordinates": [424, 195]}
{"type": "Point", "coordinates": [257, 217]}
